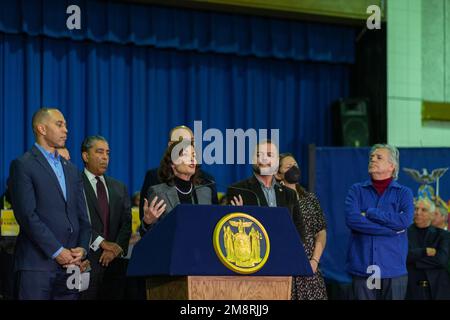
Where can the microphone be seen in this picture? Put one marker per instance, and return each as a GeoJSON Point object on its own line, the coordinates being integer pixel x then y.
{"type": "Point", "coordinates": [248, 190]}
{"type": "Point", "coordinates": [205, 185]}
{"type": "Point", "coordinates": [211, 182]}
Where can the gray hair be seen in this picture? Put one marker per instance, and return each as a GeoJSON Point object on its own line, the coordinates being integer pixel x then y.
{"type": "Point", "coordinates": [89, 142]}
{"type": "Point", "coordinates": [394, 156]}
{"type": "Point", "coordinates": [442, 210]}
{"type": "Point", "coordinates": [427, 202]}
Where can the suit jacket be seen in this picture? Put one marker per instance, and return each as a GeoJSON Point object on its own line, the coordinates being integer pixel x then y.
{"type": "Point", "coordinates": [119, 212]}
{"type": "Point", "coordinates": [152, 179]}
{"type": "Point", "coordinates": [433, 268]}
{"type": "Point", "coordinates": [170, 196]}
{"type": "Point", "coordinates": [47, 221]}
{"type": "Point", "coordinates": [285, 196]}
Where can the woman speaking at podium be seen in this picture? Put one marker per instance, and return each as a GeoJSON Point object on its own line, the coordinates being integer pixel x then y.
{"type": "Point", "coordinates": [178, 172]}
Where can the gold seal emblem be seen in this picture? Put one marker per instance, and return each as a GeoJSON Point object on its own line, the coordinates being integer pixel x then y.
{"type": "Point", "coordinates": [241, 243]}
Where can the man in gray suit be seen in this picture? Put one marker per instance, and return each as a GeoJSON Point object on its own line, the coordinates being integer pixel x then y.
{"type": "Point", "coordinates": [110, 215]}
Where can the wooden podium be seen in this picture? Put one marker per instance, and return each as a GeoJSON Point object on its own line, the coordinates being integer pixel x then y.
{"type": "Point", "coordinates": [178, 259]}
{"type": "Point", "coordinates": [219, 288]}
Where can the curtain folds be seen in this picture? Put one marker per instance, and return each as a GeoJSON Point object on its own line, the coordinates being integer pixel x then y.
{"type": "Point", "coordinates": [131, 78]}
{"type": "Point", "coordinates": [181, 29]}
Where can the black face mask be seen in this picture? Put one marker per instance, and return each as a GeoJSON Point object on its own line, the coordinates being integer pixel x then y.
{"type": "Point", "coordinates": [292, 175]}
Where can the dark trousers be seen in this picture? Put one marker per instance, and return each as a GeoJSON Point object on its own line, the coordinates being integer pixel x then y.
{"type": "Point", "coordinates": [391, 289]}
{"type": "Point", "coordinates": [417, 291]}
{"type": "Point", "coordinates": [44, 285]}
{"type": "Point", "coordinates": [6, 275]}
{"type": "Point", "coordinates": [134, 286]}
{"type": "Point", "coordinates": [106, 283]}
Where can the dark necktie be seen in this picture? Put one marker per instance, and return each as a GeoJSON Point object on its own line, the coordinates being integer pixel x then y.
{"type": "Point", "coordinates": [103, 205]}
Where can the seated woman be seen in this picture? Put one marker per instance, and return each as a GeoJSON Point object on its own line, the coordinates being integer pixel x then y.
{"type": "Point", "coordinates": [179, 172]}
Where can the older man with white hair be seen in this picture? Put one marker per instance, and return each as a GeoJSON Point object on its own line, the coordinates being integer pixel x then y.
{"type": "Point", "coordinates": [378, 212]}
{"type": "Point", "coordinates": [428, 252]}
{"type": "Point", "coordinates": [440, 216]}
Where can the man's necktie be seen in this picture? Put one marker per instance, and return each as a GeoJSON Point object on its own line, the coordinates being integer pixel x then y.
{"type": "Point", "coordinates": [103, 205]}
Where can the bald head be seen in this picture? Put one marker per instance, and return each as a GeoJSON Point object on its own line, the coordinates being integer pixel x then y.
{"type": "Point", "coordinates": [180, 133]}
{"type": "Point", "coordinates": [41, 117]}
{"type": "Point", "coordinates": [50, 129]}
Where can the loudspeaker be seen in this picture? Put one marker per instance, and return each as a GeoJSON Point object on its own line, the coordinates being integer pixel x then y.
{"type": "Point", "coordinates": [351, 122]}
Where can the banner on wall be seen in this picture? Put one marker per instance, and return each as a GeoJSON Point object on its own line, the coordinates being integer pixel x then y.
{"type": "Point", "coordinates": [9, 225]}
{"type": "Point", "coordinates": [336, 169]}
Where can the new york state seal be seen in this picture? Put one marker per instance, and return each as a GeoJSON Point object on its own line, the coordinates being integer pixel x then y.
{"type": "Point", "coordinates": [241, 242]}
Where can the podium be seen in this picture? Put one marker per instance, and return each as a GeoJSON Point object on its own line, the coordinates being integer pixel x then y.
{"type": "Point", "coordinates": [178, 259]}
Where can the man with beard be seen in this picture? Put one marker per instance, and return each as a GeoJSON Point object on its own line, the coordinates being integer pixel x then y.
{"type": "Point", "coordinates": [262, 189]}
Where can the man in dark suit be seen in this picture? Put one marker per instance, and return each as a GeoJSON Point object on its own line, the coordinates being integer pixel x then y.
{"type": "Point", "coordinates": [110, 215]}
{"type": "Point", "coordinates": [262, 189]}
{"type": "Point", "coordinates": [151, 177]}
{"type": "Point", "coordinates": [47, 197]}
{"type": "Point", "coordinates": [428, 251]}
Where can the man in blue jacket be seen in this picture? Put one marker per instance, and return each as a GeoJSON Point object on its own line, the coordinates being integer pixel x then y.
{"type": "Point", "coordinates": [49, 205]}
{"type": "Point", "coordinates": [378, 213]}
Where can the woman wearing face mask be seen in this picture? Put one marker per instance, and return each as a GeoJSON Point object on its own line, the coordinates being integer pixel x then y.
{"type": "Point", "coordinates": [312, 228]}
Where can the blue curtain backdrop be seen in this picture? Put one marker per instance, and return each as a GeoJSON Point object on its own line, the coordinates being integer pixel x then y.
{"type": "Point", "coordinates": [134, 71]}
{"type": "Point", "coordinates": [334, 177]}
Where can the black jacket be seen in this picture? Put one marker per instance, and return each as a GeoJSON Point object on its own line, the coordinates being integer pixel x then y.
{"type": "Point", "coordinates": [432, 268]}
{"type": "Point", "coordinates": [119, 212]}
{"type": "Point", "coordinates": [285, 196]}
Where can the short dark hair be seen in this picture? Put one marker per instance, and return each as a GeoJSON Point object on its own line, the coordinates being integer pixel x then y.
{"type": "Point", "coordinates": [88, 142]}
{"type": "Point", "coordinates": [265, 141]}
{"type": "Point", "coordinates": [39, 116]}
{"type": "Point", "coordinates": [285, 155]}
{"type": "Point", "coordinates": [135, 195]}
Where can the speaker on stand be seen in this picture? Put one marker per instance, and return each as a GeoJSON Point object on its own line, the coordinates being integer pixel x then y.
{"type": "Point", "coordinates": [351, 122]}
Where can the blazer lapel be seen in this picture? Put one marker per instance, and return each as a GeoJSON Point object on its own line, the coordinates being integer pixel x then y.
{"type": "Point", "coordinates": [172, 197]}
{"type": "Point", "coordinates": [412, 240]}
{"type": "Point", "coordinates": [67, 178]}
{"type": "Point", "coordinates": [91, 197]}
{"type": "Point", "coordinates": [256, 187]}
{"type": "Point", "coordinates": [43, 161]}
{"type": "Point", "coordinates": [203, 195]}
{"type": "Point", "coordinates": [280, 195]}
{"type": "Point", "coordinates": [429, 236]}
